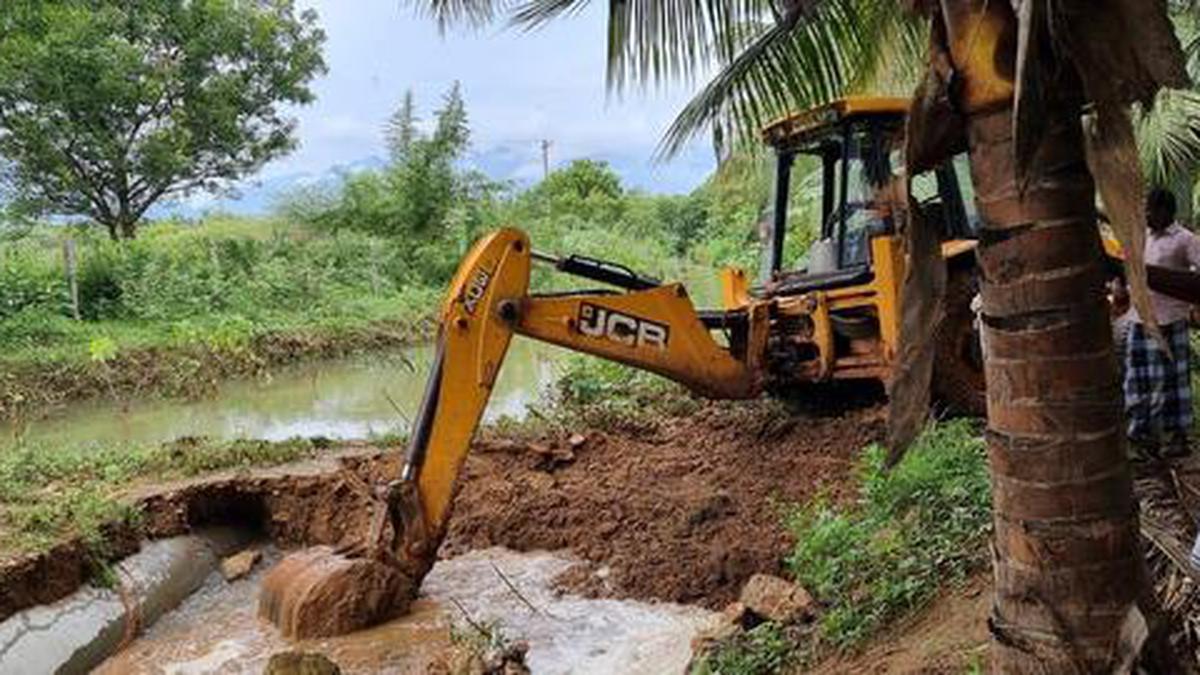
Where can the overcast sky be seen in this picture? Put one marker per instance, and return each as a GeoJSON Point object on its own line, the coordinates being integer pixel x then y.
{"type": "Point", "coordinates": [520, 87]}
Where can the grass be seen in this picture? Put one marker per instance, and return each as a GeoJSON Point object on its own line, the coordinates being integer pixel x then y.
{"type": "Point", "coordinates": [48, 495]}
{"type": "Point", "coordinates": [911, 532]}
{"type": "Point", "coordinates": [591, 392]}
{"type": "Point", "coordinates": [767, 648]}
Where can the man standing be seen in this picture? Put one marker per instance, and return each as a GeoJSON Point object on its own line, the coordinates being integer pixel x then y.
{"type": "Point", "coordinates": [1158, 391]}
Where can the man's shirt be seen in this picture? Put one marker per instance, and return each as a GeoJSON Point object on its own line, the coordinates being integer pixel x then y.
{"type": "Point", "coordinates": [1176, 248]}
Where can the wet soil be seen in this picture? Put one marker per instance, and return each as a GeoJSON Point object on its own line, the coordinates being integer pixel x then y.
{"type": "Point", "coordinates": [950, 638]}
{"type": "Point", "coordinates": [685, 511]}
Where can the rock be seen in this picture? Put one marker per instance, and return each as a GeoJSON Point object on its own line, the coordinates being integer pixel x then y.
{"type": "Point", "coordinates": [239, 565]}
{"type": "Point", "coordinates": [723, 627]}
{"type": "Point", "coordinates": [301, 663]}
{"type": "Point", "coordinates": [576, 441]}
{"type": "Point", "coordinates": [738, 614]}
{"type": "Point", "coordinates": [776, 599]}
{"type": "Point", "coordinates": [552, 456]}
{"type": "Point", "coordinates": [506, 660]}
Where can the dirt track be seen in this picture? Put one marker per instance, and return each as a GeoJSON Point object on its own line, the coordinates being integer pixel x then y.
{"type": "Point", "coordinates": [683, 513]}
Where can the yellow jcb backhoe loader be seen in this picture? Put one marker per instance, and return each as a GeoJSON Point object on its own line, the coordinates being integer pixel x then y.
{"type": "Point", "coordinates": [834, 317]}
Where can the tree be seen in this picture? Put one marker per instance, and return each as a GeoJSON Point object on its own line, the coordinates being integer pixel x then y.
{"type": "Point", "coordinates": [1013, 79]}
{"type": "Point", "coordinates": [401, 129]}
{"type": "Point", "coordinates": [582, 179]}
{"type": "Point", "coordinates": [415, 195]}
{"type": "Point", "coordinates": [108, 107]}
{"type": "Point", "coordinates": [1069, 574]}
{"type": "Point", "coordinates": [453, 133]}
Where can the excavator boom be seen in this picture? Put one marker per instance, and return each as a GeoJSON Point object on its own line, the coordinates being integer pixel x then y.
{"type": "Point", "coordinates": [650, 325]}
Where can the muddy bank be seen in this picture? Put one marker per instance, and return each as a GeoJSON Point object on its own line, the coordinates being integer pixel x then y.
{"type": "Point", "coordinates": [321, 501]}
{"type": "Point", "coordinates": [684, 511]}
{"type": "Point", "coordinates": [191, 370]}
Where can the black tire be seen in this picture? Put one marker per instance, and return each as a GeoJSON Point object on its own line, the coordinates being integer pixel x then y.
{"type": "Point", "coordinates": [958, 380]}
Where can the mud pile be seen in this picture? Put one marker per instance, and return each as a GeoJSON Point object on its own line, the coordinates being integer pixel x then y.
{"type": "Point", "coordinates": [685, 513]}
{"type": "Point", "coordinates": [684, 509]}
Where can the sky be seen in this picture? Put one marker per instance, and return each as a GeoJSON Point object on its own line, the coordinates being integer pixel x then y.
{"type": "Point", "coordinates": [520, 88]}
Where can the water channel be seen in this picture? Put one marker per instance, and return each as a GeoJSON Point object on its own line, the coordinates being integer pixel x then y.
{"type": "Point", "coordinates": [341, 399]}
{"type": "Point", "coordinates": [217, 630]}
{"type": "Point", "coordinates": [338, 399]}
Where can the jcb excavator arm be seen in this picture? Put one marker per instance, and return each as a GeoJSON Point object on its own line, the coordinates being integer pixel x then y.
{"type": "Point", "coordinates": [649, 326]}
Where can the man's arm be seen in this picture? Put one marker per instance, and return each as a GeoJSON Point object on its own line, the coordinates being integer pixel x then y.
{"type": "Point", "coordinates": [1192, 247]}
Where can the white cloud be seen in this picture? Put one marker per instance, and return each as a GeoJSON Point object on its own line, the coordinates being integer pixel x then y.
{"type": "Point", "coordinates": [520, 87]}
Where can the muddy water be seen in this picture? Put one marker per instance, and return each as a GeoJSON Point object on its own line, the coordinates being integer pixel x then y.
{"type": "Point", "coordinates": [217, 631]}
{"type": "Point", "coordinates": [342, 399]}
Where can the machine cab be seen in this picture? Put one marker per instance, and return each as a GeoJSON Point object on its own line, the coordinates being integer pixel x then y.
{"type": "Point", "coordinates": [839, 185]}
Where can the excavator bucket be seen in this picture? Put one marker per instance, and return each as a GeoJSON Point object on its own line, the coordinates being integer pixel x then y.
{"type": "Point", "coordinates": [319, 592]}
{"type": "Point", "coordinates": [322, 591]}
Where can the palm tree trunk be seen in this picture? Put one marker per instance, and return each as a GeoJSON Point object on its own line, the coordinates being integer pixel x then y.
{"type": "Point", "coordinates": [1066, 555]}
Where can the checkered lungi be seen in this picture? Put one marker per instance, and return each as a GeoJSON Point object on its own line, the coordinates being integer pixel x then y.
{"type": "Point", "coordinates": [1158, 390]}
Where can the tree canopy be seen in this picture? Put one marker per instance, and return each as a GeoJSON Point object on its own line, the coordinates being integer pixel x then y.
{"type": "Point", "coordinates": [108, 107]}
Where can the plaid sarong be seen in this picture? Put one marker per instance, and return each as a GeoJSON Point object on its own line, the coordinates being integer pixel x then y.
{"type": "Point", "coordinates": [1158, 390]}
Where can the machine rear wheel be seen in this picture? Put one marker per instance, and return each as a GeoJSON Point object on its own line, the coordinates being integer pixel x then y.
{"type": "Point", "coordinates": [958, 380]}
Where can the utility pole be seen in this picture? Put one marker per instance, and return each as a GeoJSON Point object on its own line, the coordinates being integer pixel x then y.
{"type": "Point", "coordinates": [546, 143]}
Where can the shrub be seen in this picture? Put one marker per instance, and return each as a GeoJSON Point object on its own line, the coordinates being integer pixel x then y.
{"type": "Point", "coordinates": [912, 529]}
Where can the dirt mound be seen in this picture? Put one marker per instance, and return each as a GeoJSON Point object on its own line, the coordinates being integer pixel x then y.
{"type": "Point", "coordinates": [686, 512]}
{"type": "Point", "coordinates": [682, 509]}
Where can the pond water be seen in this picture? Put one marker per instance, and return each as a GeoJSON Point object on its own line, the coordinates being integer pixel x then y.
{"type": "Point", "coordinates": [339, 399]}
{"type": "Point", "coordinates": [342, 399]}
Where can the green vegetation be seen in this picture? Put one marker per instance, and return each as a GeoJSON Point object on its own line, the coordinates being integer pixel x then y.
{"type": "Point", "coordinates": [185, 305]}
{"type": "Point", "coordinates": [362, 262]}
{"type": "Point", "coordinates": [50, 494]}
{"type": "Point", "coordinates": [766, 648]}
{"type": "Point", "coordinates": [911, 532]}
{"type": "Point", "coordinates": [913, 529]}
{"type": "Point", "coordinates": [606, 395]}
{"type": "Point", "coordinates": [108, 107]}
{"type": "Point", "coordinates": [221, 282]}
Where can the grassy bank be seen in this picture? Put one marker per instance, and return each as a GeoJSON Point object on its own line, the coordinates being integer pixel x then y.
{"type": "Point", "coordinates": [187, 305]}
{"type": "Point", "coordinates": [48, 495]}
{"type": "Point", "coordinates": [912, 531]}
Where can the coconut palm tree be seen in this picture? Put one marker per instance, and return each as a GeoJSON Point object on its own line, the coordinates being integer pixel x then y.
{"type": "Point", "coordinates": [1013, 81]}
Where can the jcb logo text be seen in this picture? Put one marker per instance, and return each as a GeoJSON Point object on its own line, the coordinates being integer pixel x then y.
{"type": "Point", "coordinates": [621, 328]}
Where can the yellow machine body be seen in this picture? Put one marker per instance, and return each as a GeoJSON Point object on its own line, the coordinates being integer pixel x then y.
{"type": "Point", "coordinates": [726, 353]}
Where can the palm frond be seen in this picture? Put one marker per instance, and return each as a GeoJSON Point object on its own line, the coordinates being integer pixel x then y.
{"type": "Point", "coordinates": [1169, 136]}
{"type": "Point", "coordinates": [654, 41]}
{"type": "Point", "coordinates": [474, 13]}
{"type": "Point", "coordinates": [846, 47]}
{"type": "Point", "coordinates": [770, 56]}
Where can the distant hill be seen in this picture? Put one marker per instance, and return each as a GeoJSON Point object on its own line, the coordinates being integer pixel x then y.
{"type": "Point", "coordinates": [518, 164]}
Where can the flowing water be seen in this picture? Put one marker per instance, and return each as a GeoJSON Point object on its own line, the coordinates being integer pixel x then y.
{"type": "Point", "coordinates": [217, 630]}
{"type": "Point", "coordinates": [342, 399]}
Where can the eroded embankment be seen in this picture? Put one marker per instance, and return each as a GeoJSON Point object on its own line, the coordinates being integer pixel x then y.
{"type": "Point", "coordinates": [188, 370]}
{"type": "Point", "coordinates": [684, 511]}
{"type": "Point", "coordinates": [322, 501]}
{"type": "Point", "coordinates": [681, 509]}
